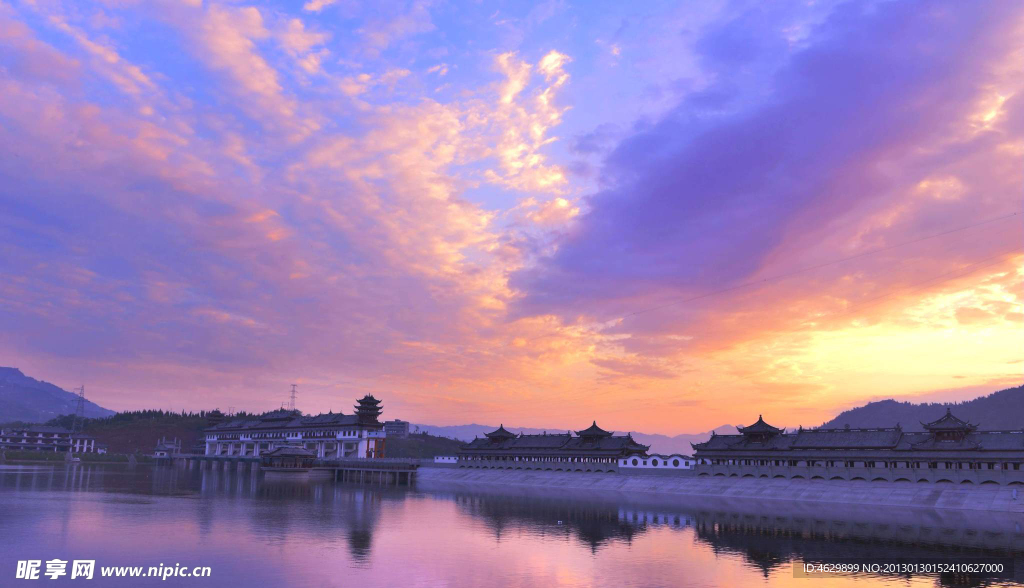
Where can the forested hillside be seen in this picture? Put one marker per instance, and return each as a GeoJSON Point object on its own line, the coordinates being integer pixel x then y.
{"type": "Point", "coordinates": [998, 411]}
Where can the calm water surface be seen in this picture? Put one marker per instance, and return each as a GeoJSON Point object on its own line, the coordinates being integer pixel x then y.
{"type": "Point", "coordinates": [254, 532]}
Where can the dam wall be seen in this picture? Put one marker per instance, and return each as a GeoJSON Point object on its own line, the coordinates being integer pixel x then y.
{"type": "Point", "coordinates": [692, 491]}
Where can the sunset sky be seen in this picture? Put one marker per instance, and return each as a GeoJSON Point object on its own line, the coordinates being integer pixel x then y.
{"type": "Point", "coordinates": [665, 216]}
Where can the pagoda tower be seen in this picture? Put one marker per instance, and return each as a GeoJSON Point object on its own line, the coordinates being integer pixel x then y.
{"type": "Point", "coordinates": [368, 409]}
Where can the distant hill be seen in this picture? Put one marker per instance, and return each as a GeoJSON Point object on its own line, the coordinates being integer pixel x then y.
{"type": "Point", "coordinates": [29, 400]}
{"type": "Point", "coordinates": [998, 411]}
{"type": "Point", "coordinates": [658, 443]}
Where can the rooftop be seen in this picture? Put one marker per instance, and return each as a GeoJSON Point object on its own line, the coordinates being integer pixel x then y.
{"type": "Point", "coordinates": [593, 441]}
{"type": "Point", "coordinates": [500, 433]}
{"type": "Point", "coordinates": [948, 422]}
{"type": "Point", "coordinates": [891, 438]}
{"type": "Point", "coordinates": [760, 427]}
{"type": "Point", "coordinates": [594, 431]}
{"type": "Point", "coordinates": [286, 419]}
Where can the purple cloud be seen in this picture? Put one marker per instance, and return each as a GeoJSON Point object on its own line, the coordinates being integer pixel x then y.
{"type": "Point", "coordinates": [702, 198]}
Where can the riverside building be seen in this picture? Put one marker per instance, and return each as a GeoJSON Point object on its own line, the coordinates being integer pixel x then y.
{"type": "Point", "coordinates": [397, 428]}
{"type": "Point", "coordinates": [46, 438]}
{"type": "Point", "coordinates": [591, 450]}
{"type": "Point", "coordinates": [949, 450]}
{"type": "Point", "coordinates": [327, 436]}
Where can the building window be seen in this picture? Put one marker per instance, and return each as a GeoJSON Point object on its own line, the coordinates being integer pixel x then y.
{"type": "Point", "coordinates": [675, 463]}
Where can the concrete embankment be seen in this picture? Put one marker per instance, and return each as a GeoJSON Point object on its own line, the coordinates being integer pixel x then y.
{"type": "Point", "coordinates": [692, 491]}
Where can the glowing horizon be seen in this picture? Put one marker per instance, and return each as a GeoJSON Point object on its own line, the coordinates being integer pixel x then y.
{"type": "Point", "coordinates": [663, 217]}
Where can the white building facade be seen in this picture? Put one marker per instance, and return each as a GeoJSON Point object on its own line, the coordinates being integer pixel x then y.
{"type": "Point", "coordinates": [329, 436]}
{"type": "Point", "coordinates": [46, 438]}
{"type": "Point", "coordinates": [674, 461]}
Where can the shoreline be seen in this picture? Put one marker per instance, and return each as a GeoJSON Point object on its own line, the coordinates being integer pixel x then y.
{"type": "Point", "coordinates": [54, 462]}
{"type": "Point", "coordinates": [693, 491]}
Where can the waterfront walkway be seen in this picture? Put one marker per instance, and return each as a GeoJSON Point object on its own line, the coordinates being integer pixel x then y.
{"type": "Point", "coordinates": [381, 470]}
{"type": "Point", "coordinates": [679, 489]}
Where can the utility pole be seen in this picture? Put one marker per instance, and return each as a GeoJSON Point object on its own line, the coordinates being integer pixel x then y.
{"type": "Point", "coordinates": [291, 402]}
{"type": "Point", "coordinates": [79, 410]}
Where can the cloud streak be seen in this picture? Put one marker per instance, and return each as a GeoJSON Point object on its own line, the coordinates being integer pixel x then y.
{"type": "Point", "coordinates": [284, 198]}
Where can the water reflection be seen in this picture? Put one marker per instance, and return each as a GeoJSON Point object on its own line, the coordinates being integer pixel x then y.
{"type": "Point", "coordinates": [255, 531]}
{"type": "Point", "coordinates": [770, 543]}
{"type": "Point", "coordinates": [593, 525]}
{"type": "Point", "coordinates": [772, 546]}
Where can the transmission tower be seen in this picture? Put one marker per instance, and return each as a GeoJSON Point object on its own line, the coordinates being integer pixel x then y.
{"type": "Point", "coordinates": [79, 410]}
{"type": "Point", "coordinates": [291, 399]}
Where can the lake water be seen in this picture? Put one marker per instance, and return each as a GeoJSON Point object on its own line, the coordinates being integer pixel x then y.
{"type": "Point", "coordinates": [254, 532]}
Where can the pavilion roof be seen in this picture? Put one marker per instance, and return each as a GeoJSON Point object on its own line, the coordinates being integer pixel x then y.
{"type": "Point", "coordinates": [500, 433]}
{"type": "Point", "coordinates": [558, 443]}
{"type": "Point", "coordinates": [759, 427]}
{"type": "Point", "coordinates": [948, 422]}
{"type": "Point", "coordinates": [594, 431]}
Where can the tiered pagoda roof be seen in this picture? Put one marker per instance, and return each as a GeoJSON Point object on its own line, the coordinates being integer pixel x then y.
{"type": "Point", "coordinates": [368, 409]}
